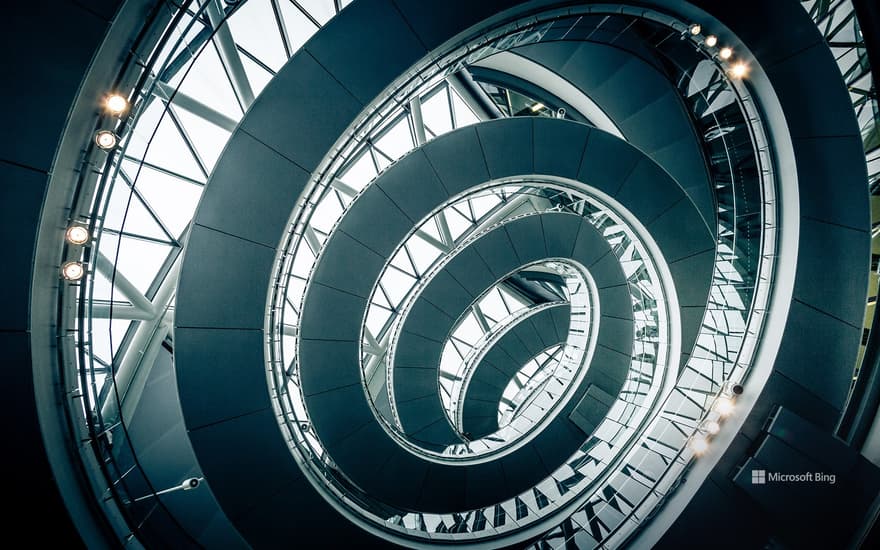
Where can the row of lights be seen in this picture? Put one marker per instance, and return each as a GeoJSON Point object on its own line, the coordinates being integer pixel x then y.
{"type": "Point", "coordinates": [725, 404]}
{"type": "Point", "coordinates": [76, 235]}
{"type": "Point", "coordinates": [722, 408]}
{"type": "Point", "coordinates": [738, 70]}
{"type": "Point", "coordinates": [114, 105]}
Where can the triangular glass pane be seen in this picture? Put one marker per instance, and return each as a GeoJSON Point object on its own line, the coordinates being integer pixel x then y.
{"type": "Point", "coordinates": [458, 224]}
{"type": "Point", "coordinates": [207, 82]}
{"type": "Point", "coordinates": [326, 213]}
{"type": "Point", "coordinates": [258, 76]}
{"type": "Point", "coordinates": [135, 143]}
{"type": "Point", "coordinates": [461, 348]}
{"type": "Point", "coordinates": [382, 160]}
{"type": "Point", "coordinates": [513, 303]}
{"type": "Point", "coordinates": [401, 262]}
{"type": "Point", "coordinates": [396, 284]}
{"type": "Point", "coordinates": [296, 288]}
{"type": "Point", "coordinates": [469, 330]}
{"type": "Point", "coordinates": [107, 334]}
{"type": "Point", "coordinates": [423, 253]}
{"type": "Point", "coordinates": [322, 10]}
{"type": "Point", "coordinates": [397, 140]}
{"type": "Point", "coordinates": [360, 172]}
{"type": "Point", "coordinates": [431, 229]}
{"type": "Point", "coordinates": [303, 261]}
{"type": "Point", "coordinates": [379, 298]}
{"type": "Point", "coordinates": [484, 204]}
{"type": "Point", "coordinates": [207, 138]}
{"type": "Point", "coordinates": [170, 151]}
{"type": "Point", "coordinates": [174, 200]}
{"type": "Point", "coordinates": [376, 319]}
{"type": "Point", "coordinates": [463, 114]}
{"type": "Point", "coordinates": [436, 114]}
{"type": "Point", "coordinates": [493, 307]}
{"type": "Point", "coordinates": [140, 261]}
{"type": "Point", "coordinates": [126, 212]}
{"type": "Point", "coordinates": [255, 28]}
{"type": "Point", "coordinates": [299, 27]}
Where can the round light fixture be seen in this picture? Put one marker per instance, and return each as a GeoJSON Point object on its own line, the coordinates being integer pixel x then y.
{"type": "Point", "coordinates": [711, 427]}
{"type": "Point", "coordinates": [73, 271]}
{"type": "Point", "coordinates": [105, 139]}
{"type": "Point", "coordinates": [739, 70]}
{"type": "Point", "coordinates": [725, 53]}
{"type": "Point", "coordinates": [77, 234]}
{"type": "Point", "coordinates": [699, 444]}
{"type": "Point", "coordinates": [711, 40]}
{"type": "Point", "coordinates": [695, 29]}
{"type": "Point", "coordinates": [723, 406]}
{"type": "Point", "coordinates": [116, 104]}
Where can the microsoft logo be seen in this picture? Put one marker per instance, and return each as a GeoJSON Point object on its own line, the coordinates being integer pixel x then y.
{"type": "Point", "coordinates": [759, 477]}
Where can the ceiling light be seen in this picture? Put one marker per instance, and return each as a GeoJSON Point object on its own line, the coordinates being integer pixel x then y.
{"type": "Point", "coordinates": [73, 271]}
{"type": "Point", "coordinates": [695, 29]}
{"type": "Point", "coordinates": [725, 53]}
{"type": "Point", "coordinates": [711, 40]}
{"type": "Point", "coordinates": [699, 444]}
{"type": "Point", "coordinates": [77, 234]}
{"type": "Point", "coordinates": [723, 406]}
{"type": "Point", "coordinates": [105, 139]}
{"type": "Point", "coordinates": [537, 107]}
{"type": "Point", "coordinates": [116, 104]}
{"type": "Point", "coordinates": [711, 427]}
{"type": "Point", "coordinates": [739, 70]}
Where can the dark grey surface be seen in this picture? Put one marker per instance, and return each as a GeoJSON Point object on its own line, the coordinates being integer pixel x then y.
{"type": "Point", "coordinates": [220, 286]}
{"type": "Point", "coordinates": [643, 104]}
{"type": "Point", "coordinates": [234, 179]}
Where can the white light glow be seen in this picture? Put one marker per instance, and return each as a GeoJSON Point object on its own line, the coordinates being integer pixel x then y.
{"type": "Point", "coordinates": [105, 139]}
{"type": "Point", "coordinates": [699, 444]}
{"type": "Point", "coordinates": [73, 271]}
{"type": "Point", "coordinates": [739, 70]}
{"type": "Point", "coordinates": [116, 104]}
{"type": "Point", "coordinates": [724, 406]}
{"type": "Point", "coordinates": [77, 234]}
